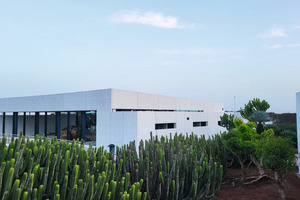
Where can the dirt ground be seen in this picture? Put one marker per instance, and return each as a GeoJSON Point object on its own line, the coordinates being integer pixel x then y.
{"type": "Point", "coordinates": [265, 189]}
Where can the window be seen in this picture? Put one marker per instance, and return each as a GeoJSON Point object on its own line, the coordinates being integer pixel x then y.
{"type": "Point", "coordinates": [165, 126]}
{"type": "Point", "coordinates": [219, 123]}
{"type": "Point", "coordinates": [200, 124]}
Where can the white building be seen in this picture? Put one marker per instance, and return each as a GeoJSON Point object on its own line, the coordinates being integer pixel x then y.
{"type": "Point", "coordinates": [298, 125]}
{"type": "Point", "coordinates": [109, 116]}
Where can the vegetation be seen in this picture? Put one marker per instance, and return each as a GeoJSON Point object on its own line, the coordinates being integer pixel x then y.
{"type": "Point", "coordinates": [255, 111]}
{"type": "Point", "coordinates": [261, 147]}
{"type": "Point", "coordinates": [240, 143]}
{"type": "Point", "coordinates": [278, 155]}
{"type": "Point", "coordinates": [227, 121]}
{"type": "Point", "coordinates": [179, 167]}
{"type": "Point", "coordinates": [252, 106]}
{"type": "Point", "coordinates": [284, 131]}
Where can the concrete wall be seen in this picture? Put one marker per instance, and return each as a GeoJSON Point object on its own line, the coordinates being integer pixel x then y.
{"type": "Point", "coordinates": [184, 123]}
{"type": "Point", "coordinates": [121, 99]}
{"type": "Point", "coordinates": [123, 126]}
{"type": "Point", "coordinates": [116, 128]}
{"type": "Point", "coordinates": [77, 101]}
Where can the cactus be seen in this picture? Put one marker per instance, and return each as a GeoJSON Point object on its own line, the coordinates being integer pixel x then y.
{"type": "Point", "coordinates": [175, 167]}
{"type": "Point", "coordinates": [8, 181]}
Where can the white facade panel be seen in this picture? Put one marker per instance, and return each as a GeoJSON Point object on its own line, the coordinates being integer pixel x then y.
{"type": "Point", "coordinates": [138, 114]}
{"type": "Point", "coordinates": [91, 100]}
{"type": "Point", "coordinates": [183, 120]}
{"type": "Point", "coordinates": [137, 101]}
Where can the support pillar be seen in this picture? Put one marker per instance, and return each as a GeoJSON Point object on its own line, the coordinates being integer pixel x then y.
{"type": "Point", "coordinates": [83, 124]}
{"type": "Point", "coordinates": [57, 124]}
{"type": "Point", "coordinates": [24, 123]}
{"type": "Point", "coordinates": [3, 127]}
{"type": "Point", "coordinates": [68, 127]}
{"type": "Point", "coordinates": [15, 124]}
{"type": "Point", "coordinates": [46, 124]}
{"type": "Point", "coordinates": [36, 123]}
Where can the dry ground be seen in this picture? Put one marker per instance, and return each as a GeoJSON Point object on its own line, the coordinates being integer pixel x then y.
{"type": "Point", "coordinates": [264, 189]}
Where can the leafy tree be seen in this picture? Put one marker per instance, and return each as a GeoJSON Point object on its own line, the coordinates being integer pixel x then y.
{"type": "Point", "coordinates": [244, 143]}
{"type": "Point", "coordinates": [254, 105]}
{"type": "Point", "coordinates": [278, 154]}
{"type": "Point", "coordinates": [259, 116]}
{"type": "Point", "coordinates": [227, 121]}
{"type": "Point", "coordinates": [239, 142]}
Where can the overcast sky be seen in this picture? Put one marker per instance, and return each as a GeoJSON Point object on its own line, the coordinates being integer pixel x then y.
{"type": "Point", "coordinates": [205, 50]}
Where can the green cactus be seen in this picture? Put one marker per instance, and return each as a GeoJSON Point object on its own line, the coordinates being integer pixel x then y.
{"type": "Point", "coordinates": [8, 181]}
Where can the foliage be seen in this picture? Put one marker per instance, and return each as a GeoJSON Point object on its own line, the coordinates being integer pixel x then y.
{"type": "Point", "coordinates": [252, 106]}
{"type": "Point", "coordinates": [260, 116]}
{"type": "Point", "coordinates": [285, 131]}
{"type": "Point", "coordinates": [176, 168]}
{"type": "Point", "coordinates": [279, 154]}
{"type": "Point", "coordinates": [227, 121]}
{"type": "Point", "coordinates": [240, 143]}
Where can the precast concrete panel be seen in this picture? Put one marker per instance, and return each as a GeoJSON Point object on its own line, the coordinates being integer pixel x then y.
{"type": "Point", "coordinates": [118, 127]}
{"type": "Point", "coordinates": [184, 123]}
{"type": "Point", "coordinates": [91, 100]}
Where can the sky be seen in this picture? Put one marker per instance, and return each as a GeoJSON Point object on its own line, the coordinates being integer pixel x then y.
{"type": "Point", "coordinates": [205, 50]}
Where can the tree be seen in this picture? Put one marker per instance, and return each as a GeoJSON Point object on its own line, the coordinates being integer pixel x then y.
{"type": "Point", "coordinates": [259, 116]}
{"type": "Point", "coordinates": [278, 154]}
{"type": "Point", "coordinates": [239, 142]}
{"type": "Point", "coordinates": [252, 106]}
{"type": "Point", "coordinates": [227, 121]}
{"type": "Point", "coordinates": [245, 144]}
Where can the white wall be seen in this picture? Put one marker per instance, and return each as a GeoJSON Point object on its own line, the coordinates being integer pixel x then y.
{"type": "Point", "coordinates": [119, 127]}
{"type": "Point", "coordinates": [116, 128]}
{"type": "Point", "coordinates": [121, 99]}
{"type": "Point", "coordinates": [147, 120]}
{"type": "Point", "coordinates": [77, 101]}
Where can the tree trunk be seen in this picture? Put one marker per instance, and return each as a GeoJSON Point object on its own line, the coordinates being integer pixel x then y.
{"type": "Point", "coordinates": [243, 168]}
{"type": "Point", "coordinates": [258, 166]}
{"type": "Point", "coordinates": [280, 182]}
{"type": "Point", "coordinates": [259, 128]}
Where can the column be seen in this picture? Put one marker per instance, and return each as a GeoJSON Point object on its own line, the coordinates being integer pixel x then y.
{"type": "Point", "coordinates": [37, 123]}
{"type": "Point", "coordinates": [57, 124]}
{"type": "Point", "coordinates": [24, 123]}
{"type": "Point", "coordinates": [3, 127]}
{"type": "Point", "coordinates": [68, 127]}
{"type": "Point", "coordinates": [15, 124]}
{"type": "Point", "coordinates": [83, 124]}
{"type": "Point", "coordinates": [46, 124]}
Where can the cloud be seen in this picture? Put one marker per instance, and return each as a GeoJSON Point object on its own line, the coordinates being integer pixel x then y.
{"type": "Point", "coordinates": [193, 51]}
{"type": "Point", "coordinates": [274, 32]}
{"type": "Point", "coordinates": [275, 46]}
{"type": "Point", "coordinates": [278, 46]}
{"type": "Point", "coordinates": [168, 62]}
{"type": "Point", "coordinates": [294, 45]}
{"type": "Point", "coordinates": [148, 18]}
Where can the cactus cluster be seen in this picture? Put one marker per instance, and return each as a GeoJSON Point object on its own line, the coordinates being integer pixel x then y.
{"type": "Point", "coordinates": [181, 167]}
{"type": "Point", "coordinates": [44, 169]}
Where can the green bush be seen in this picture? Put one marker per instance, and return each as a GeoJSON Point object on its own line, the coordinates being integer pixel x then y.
{"type": "Point", "coordinates": [286, 131]}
